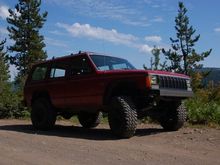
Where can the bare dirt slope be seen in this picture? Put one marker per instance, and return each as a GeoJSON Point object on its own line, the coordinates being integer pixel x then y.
{"type": "Point", "coordinates": [67, 144]}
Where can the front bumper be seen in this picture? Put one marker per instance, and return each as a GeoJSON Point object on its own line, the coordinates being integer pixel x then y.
{"type": "Point", "coordinates": [175, 93]}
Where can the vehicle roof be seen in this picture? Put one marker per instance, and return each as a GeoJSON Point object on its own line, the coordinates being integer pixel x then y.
{"type": "Point", "coordinates": [80, 53]}
{"type": "Point", "coordinates": [63, 57]}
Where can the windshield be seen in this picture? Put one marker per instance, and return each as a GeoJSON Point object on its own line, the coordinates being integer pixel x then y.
{"type": "Point", "coordinates": [104, 63]}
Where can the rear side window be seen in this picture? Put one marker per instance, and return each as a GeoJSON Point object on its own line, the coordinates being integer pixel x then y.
{"type": "Point", "coordinates": [57, 72]}
{"type": "Point", "coordinates": [59, 69]}
{"type": "Point", "coordinates": [39, 73]}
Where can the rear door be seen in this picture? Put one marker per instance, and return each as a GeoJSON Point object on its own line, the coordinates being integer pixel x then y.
{"type": "Point", "coordinates": [56, 83]}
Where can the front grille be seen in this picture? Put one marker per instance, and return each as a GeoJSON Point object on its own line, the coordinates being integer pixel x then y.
{"type": "Point", "coordinates": [172, 82]}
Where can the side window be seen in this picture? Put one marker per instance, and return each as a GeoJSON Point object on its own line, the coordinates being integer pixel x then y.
{"type": "Point", "coordinates": [119, 66]}
{"type": "Point", "coordinates": [39, 73]}
{"type": "Point", "coordinates": [58, 70]}
{"type": "Point", "coordinates": [80, 66]}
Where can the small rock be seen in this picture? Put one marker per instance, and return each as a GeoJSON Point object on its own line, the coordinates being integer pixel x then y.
{"type": "Point", "coordinates": [190, 138]}
{"type": "Point", "coordinates": [188, 132]}
{"type": "Point", "coordinates": [210, 139]}
{"type": "Point", "coordinates": [196, 130]}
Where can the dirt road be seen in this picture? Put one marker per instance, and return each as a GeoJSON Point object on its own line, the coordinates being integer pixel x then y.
{"type": "Point", "coordinates": [68, 144]}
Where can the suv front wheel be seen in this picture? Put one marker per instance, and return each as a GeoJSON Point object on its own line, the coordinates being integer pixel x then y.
{"type": "Point", "coordinates": [174, 118]}
{"type": "Point", "coordinates": [43, 116]}
{"type": "Point", "coordinates": [122, 117]}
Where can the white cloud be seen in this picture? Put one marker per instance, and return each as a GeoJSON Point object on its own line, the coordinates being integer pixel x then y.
{"type": "Point", "coordinates": [156, 6]}
{"type": "Point", "coordinates": [3, 31]}
{"type": "Point", "coordinates": [85, 30]}
{"type": "Point", "coordinates": [113, 36]}
{"type": "Point", "coordinates": [156, 39]}
{"type": "Point", "coordinates": [115, 10]}
{"type": "Point", "coordinates": [145, 48]}
{"type": "Point", "coordinates": [56, 32]}
{"type": "Point", "coordinates": [54, 42]}
{"type": "Point", "coordinates": [4, 12]}
{"type": "Point", "coordinates": [217, 29]}
{"type": "Point", "coordinates": [157, 19]}
{"type": "Point", "coordinates": [148, 1]}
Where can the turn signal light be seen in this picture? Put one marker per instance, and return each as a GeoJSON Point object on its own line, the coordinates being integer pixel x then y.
{"type": "Point", "coordinates": [152, 81]}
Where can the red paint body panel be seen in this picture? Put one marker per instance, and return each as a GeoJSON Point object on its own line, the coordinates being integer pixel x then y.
{"type": "Point", "coordinates": [85, 91]}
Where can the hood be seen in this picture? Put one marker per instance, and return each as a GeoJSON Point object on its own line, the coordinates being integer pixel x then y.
{"type": "Point", "coordinates": [163, 73]}
{"type": "Point", "coordinates": [146, 72]}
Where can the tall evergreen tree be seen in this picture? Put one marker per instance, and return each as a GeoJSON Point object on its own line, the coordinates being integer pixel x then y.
{"type": "Point", "coordinates": [156, 64]}
{"type": "Point", "coordinates": [10, 102]}
{"type": "Point", "coordinates": [4, 72]}
{"type": "Point", "coordinates": [156, 53]}
{"type": "Point", "coordinates": [5, 90]}
{"type": "Point", "coordinates": [183, 56]}
{"type": "Point", "coordinates": [25, 23]}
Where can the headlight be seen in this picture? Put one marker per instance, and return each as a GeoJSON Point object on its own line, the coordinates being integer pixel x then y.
{"type": "Point", "coordinates": [188, 84]}
{"type": "Point", "coordinates": [154, 80]}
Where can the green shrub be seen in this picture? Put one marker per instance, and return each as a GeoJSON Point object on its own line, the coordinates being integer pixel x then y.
{"type": "Point", "coordinates": [11, 105]}
{"type": "Point", "coordinates": [200, 112]}
{"type": "Point", "coordinates": [204, 107]}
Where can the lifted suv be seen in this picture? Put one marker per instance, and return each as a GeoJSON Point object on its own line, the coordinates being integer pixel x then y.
{"type": "Point", "coordinates": [87, 84]}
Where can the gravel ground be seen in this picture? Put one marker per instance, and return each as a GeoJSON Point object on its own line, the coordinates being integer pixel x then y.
{"type": "Point", "coordinates": [68, 144]}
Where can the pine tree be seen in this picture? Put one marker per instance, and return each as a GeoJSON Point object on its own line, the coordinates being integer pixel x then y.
{"type": "Point", "coordinates": [183, 56]}
{"type": "Point", "coordinates": [156, 53]}
{"type": "Point", "coordinates": [5, 90]}
{"type": "Point", "coordinates": [25, 23]}
{"type": "Point", "coordinates": [4, 72]}
{"type": "Point", "coordinates": [156, 64]}
{"type": "Point", "coordinates": [10, 101]}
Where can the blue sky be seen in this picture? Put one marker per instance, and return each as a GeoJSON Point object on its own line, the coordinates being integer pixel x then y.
{"type": "Point", "coordinates": [128, 28]}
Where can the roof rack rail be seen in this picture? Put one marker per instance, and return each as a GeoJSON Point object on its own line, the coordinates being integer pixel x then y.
{"type": "Point", "coordinates": [80, 52]}
{"type": "Point", "coordinates": [73, 54]}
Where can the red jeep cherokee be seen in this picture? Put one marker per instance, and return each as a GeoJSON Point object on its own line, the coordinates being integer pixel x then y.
{"type": "Point", "coordinates": [87, 84]}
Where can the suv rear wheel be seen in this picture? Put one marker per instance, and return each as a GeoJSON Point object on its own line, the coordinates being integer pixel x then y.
{"type": "Point", "coordinates": [174, 118]}
{"type": "Point", "coordinates": [90, 120]}
{"type": "Point", "coordinates": [43, 116]}
{"type": "Point", "coordinates": [122, 117]}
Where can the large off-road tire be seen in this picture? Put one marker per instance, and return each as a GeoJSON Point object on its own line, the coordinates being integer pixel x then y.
{"type": "Point", "coordinates": [43, 116]}
{"type": "Point", "coordinates": [174, 118]}
{"type": "Point", "coordinates": [122, 117]}
{"type": "Point", "coordinates": [90, 120]}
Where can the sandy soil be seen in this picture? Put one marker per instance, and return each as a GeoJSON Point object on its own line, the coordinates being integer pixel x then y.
{"type": "Point", "coordinates": [68, 144]}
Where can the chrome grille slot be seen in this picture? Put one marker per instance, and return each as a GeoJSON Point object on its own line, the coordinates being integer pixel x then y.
{"type": "Point", "coordinates": [172, 82]}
